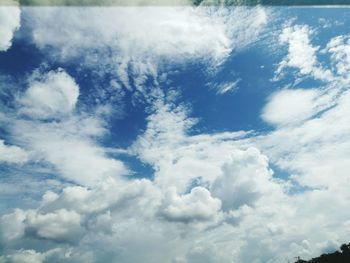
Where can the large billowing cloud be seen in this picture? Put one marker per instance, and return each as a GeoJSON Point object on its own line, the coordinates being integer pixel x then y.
{"type": "Point", "coordinates": [61, 225]}
{"type": "Point", "coordinates": [188, 200]}
{"type": "Point", "coordinates": [198, 205]}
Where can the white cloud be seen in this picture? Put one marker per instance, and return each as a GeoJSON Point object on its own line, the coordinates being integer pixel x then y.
{"type": "Point", "coordinates": [221, 181]}
{"type": "Point", "coordinates": [291, 106]}
{"type": "Point", "coordinates": [227, 87]}
{"type": "Point", "coordinates": [123, 215]}
{"type": "Point", "coordinates": [234, 173]}
{"type": "Point", "coordinates": [103, 209]}
{"type": "Point", "coordinates": [26, 256]}
{"type": "Point", "coordinates": [198, 205]}
{"type": "Point", "coordinates": [310, 141]}
{"type": "Point", "coordinates": [134, 42]}
{"type": "Point", "coordinates": [207, 171]}
{"type": "Point", "coordinates": [310, 144]}
{"type": "Point", "coordinates": [69, 145]}
{"type": "Point", "coordinates": [339, 49]}
{"type": "Point", "coordinates": [108, 194]}
{"type": "Point", "coordinates": [52, 255]}
{"type": "Point", "coordinates": [57, 134]}
{"type": "Point", "coordinates": [12, 154]}
{"type": "Point", "coordinates": [260, 210]}
{"type": "Point", "coordinates": [79, 213]}
{"type": "Point", "coordinates": [316, 149]}
{"type": "Point", "coordinates": [302, 55]}
{"type": "Point", "coordinates": [61, 225]}
{"type": "Point", "coordinates": [138, 31]}
{"type": "Point", "coordinates": [54, 95]}
{"type": "Point", "coordinates": [9, 23]}
{"type": "Point", "coordinates": [90, 163]}
{"type": "Point", "coordinates": [244, 179]}
{"type": "Point", "coordinates": [166, 146]}
{"type": "Point", "coordinates": [12, 225]}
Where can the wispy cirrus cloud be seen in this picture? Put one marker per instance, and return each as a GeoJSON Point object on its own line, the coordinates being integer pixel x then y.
{"type": "Point", "coordinates": [227, 87]}
{"type": "Point", "coordinates": [138, 44]}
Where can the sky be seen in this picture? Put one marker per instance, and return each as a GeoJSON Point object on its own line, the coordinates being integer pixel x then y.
{"type": "Point", "coordinates": [173, 134]}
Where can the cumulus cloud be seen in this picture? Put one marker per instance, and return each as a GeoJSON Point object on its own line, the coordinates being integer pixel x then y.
{"type": "Point", "coordinates": [78, 212]}
{"type": "Point", "coordinates": [198, 205]}
{"type": "Point", "coordinates": [234, 173]}
{"type": "Point", "coordinates": [165, 145]}
{"type": "Point", "coordinates": [9, 23]}
{"type": "Point", "coordinates": [104, 196]}
{"type": "Point", "coordinates": [12, 154]}
{"type": "Point", "coordinates": [189, 188]}
{"type": "Point", "coordinates": [61, 225]}
{"type": "Point", "coordinates": [54, 95]}
{"type": "Point", "coordinates": [221, 183]}
{"type": "Point", "coordinates": [244, 179]}
{"type": "Point", "coordinates": [214, 197]}
{"type": "Point", "coordinates": [166, 219]}
{"type": "Point", "coordinates": [12, 225]}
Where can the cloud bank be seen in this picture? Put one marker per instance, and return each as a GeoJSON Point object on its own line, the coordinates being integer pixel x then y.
{"type": "Point", "coordinates": [232, 196]}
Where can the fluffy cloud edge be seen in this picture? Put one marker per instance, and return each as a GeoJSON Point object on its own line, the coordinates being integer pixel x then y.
{"type": "Point", "coordinates": [9, 23]}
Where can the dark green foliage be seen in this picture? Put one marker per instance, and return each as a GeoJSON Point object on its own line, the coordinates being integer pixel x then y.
{"type": "Point", "coordinates": [342, 256]}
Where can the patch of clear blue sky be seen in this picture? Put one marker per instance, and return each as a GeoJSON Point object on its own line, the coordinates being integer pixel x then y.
{"type": "Point", "coordinates": [237, 110]}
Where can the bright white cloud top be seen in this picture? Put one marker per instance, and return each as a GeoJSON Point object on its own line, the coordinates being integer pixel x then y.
{"type": "Point", "coordinates": [9, 23]}
{"type": "Point", "coordinates": [172, 134]}
{"type": "Point", "coordinates": [54, 95]}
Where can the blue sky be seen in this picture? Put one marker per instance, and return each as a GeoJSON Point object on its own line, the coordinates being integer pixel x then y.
{"type": "Point", "coordinates": [173, 134]}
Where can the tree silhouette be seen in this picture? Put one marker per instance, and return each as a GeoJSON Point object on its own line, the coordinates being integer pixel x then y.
{"type": "Point", "coordinates": [342, 256]}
